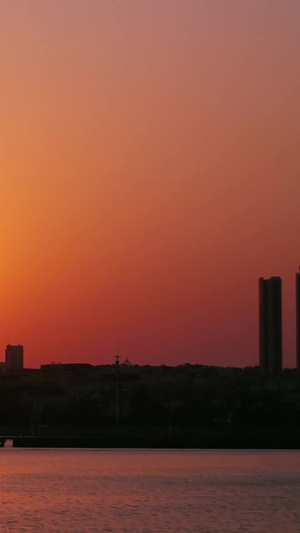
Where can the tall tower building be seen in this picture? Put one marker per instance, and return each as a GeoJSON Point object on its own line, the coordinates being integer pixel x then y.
{"type": "Point", "coordinates": [270, 325]}
{"type": "Point", "coordinates": [14, 357]}
{"type": "Point", "coordinates": [298, 318]}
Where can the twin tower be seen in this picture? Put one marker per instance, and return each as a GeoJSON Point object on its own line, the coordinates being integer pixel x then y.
{"type": "Point", "coordinates": [270, 324]}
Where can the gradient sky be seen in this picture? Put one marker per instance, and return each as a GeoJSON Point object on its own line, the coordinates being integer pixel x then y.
{"type": "Point", "coordinates": [150, 174]}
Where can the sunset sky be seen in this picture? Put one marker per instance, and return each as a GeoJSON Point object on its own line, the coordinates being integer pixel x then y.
{"type": "Point", "coordinates": [150, 174]}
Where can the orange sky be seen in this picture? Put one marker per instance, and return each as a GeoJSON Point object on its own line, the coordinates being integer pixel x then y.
{"type": "Point", "coordinates": [150, 175]}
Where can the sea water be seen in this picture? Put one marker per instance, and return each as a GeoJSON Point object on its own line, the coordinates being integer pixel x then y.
{"type": "Point", "coordinates": [145, 491]}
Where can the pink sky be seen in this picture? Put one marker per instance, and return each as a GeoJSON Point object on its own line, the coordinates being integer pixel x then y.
{"type": "Point", "coordinates": [150, 175]}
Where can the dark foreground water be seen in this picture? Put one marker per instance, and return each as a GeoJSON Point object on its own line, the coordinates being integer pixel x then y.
{"type": "Point", "coordinates": [135, 491]}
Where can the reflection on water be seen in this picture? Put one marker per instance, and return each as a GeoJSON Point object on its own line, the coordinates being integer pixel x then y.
{"type": "Point", "coordinates": [138, 491]}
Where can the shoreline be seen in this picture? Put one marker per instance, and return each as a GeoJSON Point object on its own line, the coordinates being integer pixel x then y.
{"type": "Point", "coordinates": [270, 441]}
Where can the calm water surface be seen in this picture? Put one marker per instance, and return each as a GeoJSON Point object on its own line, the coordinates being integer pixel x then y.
{"type": "Point", "coordinates": [146, 491]}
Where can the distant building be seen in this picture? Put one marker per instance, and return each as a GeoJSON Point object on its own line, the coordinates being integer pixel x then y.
{"type": "Point", "coordinates": [298, 318]}
{"type": "Point", "coordinates": [270, 325]}
{"type": "Point", "coordinates": [14, 357]}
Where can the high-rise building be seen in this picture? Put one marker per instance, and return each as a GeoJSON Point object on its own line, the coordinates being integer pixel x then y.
{"type": "Point", "coordinates": [270, 325]}
{"type": "Point", "coordinates": [298, 318]}
{"type": "Point", "coordinates": [14, 357]}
